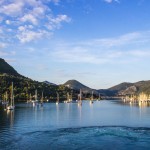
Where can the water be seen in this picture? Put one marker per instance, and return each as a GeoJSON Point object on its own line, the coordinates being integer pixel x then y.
{"type": "Point", "coordinates": [101, 125]}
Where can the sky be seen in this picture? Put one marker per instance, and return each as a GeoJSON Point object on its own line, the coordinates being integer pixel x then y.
{"type": "Point", "coordinates": [100, 43]}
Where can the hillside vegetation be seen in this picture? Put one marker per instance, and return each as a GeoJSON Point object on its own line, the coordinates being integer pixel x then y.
{"type": "Point", "coordinates": [23, 86]}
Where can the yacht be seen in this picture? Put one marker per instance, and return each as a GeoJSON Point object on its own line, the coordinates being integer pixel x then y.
{"type": "Point", "coordinates": [80, 98]}
{"type": "Point", "coordinates": [57, 102]}
{"type": "Point", "coordinates": [12, 105]}
{"type": "Point", "coordinates": [42, 100]}
{"type": "Point", "coordinates": [91, 101]}
{"type": "Point", "coordinates": [5, 101]}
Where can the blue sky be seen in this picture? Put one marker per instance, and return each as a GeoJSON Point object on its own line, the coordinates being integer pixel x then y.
{"type": "Point", "coordinates": [97, 42]}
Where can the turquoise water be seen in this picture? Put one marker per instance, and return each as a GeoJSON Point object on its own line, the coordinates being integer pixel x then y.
{"type": "Point", "coordinates": [101, 125]}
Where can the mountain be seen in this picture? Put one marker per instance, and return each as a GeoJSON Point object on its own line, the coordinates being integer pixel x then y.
{"type": "Point", "coordinates": [124, 88]}
{"type": "Point", "coordinates": [121, 86]}
{"type": "Point", "coordinates": [76, 85]}
{"type": "Point", "coordinates": [6, 68]}
{"type": "Point", "coordinates": [49, 83]}
{"type": "Point", "coordinates": [131, 88]}
{"type": "Point", "coordinates": [24, 86]}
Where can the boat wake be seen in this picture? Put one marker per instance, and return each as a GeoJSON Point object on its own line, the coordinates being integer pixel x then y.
{"type": "Point", "coordinates": [98, 137]}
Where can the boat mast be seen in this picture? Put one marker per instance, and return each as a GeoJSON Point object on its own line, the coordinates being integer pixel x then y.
{"type": "Point", "coordinates": [67, 97]}
{"type": "Point", "coordinates": [12, 96]}
{"type": "Point", "coordinates": [6, 97]}
{"type": "Point", "coordinates": [92, 96]}
{"type": "Point", "coordinates": [80, 95]}
{"type": "Point", "coordinates": [35, 95]}
{"type": "Point", "coordinates": [42, 98]}
{"type": "Point", "coordinates": [30, 96]}
{"type": "Point", "coordinates": [57, 97]}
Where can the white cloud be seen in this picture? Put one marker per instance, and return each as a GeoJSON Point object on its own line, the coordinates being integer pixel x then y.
{"type": "Point", "coordinates": [139, 53]}
{"type": "Point", "coordinates": [7, 22]}
{"type": "Point", "coordinates": [110, 1]}
{"type": "Point", "coordinates": [39, 11]}
{"type": "Point", "coordinates": [29, 19]}
{"type": "Point", "coordinates": [56, 1]}
{"type": "Point", "coordinates": [12, 8]}
{"type": "Point", "coordinates": [28, 35]}
{"type": "Point", "coordinates": [82, 55]}
{"type": "Point", "coordinates": [55, 23]}
{"type": "Point", "coordinates": [3, 45]}
{"type": "Point", "coordinates": [129, 38]}
{"type": "Point", "coordinates": [123, 49]}
{"type": "Point", "coordinates": [61, 18]}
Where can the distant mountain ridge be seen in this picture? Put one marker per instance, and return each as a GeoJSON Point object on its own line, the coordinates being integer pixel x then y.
{"type": "Point", "coordinates": [49, 83]}
{"type": "Point", "coordinates": [9, 74]}
{"type": "Point", "coordinates": [132, 88]}
{"type": "Point", "coordinates": [74, 84]}
{"type": "Point", "coordinates": [124, 88]}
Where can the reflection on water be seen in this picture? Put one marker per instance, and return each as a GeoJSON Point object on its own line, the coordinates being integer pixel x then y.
{"type": "Point", "coordinates": [87, 126]}
{"type": "Point", "coordinates": [136, 103]}
{"type": "Point", "coordinates": [10, 116]}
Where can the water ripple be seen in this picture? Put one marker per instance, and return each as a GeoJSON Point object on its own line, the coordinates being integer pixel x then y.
{"type": "Point", "coordinates": [103, 137]}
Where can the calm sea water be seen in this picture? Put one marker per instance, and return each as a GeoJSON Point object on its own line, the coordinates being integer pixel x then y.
{"type": "Point", "coordinates": [102, 125]}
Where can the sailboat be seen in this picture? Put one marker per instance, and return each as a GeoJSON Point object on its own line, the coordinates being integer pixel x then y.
{"type": "Point", "coordinates": [99, 98]}
{"type": "Point", "coordinates": [80, 100]}
{"type": "Point", "coordinates": [57, 102]}
{"type": "Point", "coordinates": [5, 101]}
{"type": "Point", "coordinates": [30, 98]}
{"type": "Point", "coordinates": [91, 101]}
{"type": "Point", "coordinates": [42, 99]}
{"type": "Point", "coordinates": [35, 101]}
{"type": "Point", "coordinates": [70, 98]}
{"type": "Point", "coordinates": [11, 106]}
{"type": "Point", "coordinates": [67, 101]}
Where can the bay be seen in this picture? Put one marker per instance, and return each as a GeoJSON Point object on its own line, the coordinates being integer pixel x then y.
{"type": "Point", "coordinates": [104, 124]}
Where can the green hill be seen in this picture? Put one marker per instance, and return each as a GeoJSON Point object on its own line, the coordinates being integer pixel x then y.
{"type": "Point", "coordinates": [76, 85]}
{"type": "Point", "coordinates": [6, 68]}
{"type": "Point", "coordinates": [24, 86]}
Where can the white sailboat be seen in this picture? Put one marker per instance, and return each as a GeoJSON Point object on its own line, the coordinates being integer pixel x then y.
{"type": "Point", "coordinates": [99, 98]}
{"type": "Point", "coordinates": [71, 97]}
{"type": "Point", "coordinates": [5, 101]}
{"type": "Point", "coordinates": [80, 100]}
{"type": "Point", "coordinates": [67, 101]}
{"type": "Point", "coordinates": [57, 102]}
{"type": "Point", "coordinates": [35, 102]}
{"type": "Point", "coordinates": [42, 99]}
{"type": "Point", "coordinates": [91, 101]}
{"type": "Point", "coordinates": [30, 98]}
{"type": "Point", "coordinates": [12, 105]}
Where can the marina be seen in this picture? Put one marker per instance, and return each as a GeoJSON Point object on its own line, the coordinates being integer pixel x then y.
{"type": "Point", "coordinates": [74, 75]}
